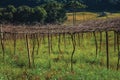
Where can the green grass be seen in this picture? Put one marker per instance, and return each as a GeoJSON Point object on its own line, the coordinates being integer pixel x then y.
{"type": "Point", "coordinates": [86, 65]}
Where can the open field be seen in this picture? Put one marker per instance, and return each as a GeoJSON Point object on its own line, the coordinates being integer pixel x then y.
{"type": "Point", "coordinates": [54, 63]}
{"type": "Point", "coordinates": [85, 16]}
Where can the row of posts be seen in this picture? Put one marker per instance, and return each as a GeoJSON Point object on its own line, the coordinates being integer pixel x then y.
{"type": "Point", "coordinates": [116, 41]}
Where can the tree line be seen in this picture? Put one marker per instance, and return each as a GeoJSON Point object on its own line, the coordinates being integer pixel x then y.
{"type": "Point", "coordinates": [96, 5]}
{"type": "Point", "coordinates": [52, 12]}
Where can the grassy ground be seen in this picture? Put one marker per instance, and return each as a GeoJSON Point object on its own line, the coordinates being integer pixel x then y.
{"type": "Point", "coordinates": [84, 16]}
{"type": "Point", "coordinates": [86, 65]}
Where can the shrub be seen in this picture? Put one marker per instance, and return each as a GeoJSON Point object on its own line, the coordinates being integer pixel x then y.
{"type": "Point", "coordinates": [55, 12]}
{"type": "Point", "coordinates": [39, 14]}
{"type": "Point", "coordinates": [23, 14]}
{"type": "Point", "coordinates": [102, 14]}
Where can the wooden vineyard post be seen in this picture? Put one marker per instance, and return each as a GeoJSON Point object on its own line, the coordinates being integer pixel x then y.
{"type": "Point", "coordinates": [2, 42]}
{"type": "Point", "coordinates": [114, 41]}
{"type": "Point", "coordinates": [49, 49]}
{"type": "Point", "coordinates": [95, 43]}
{"type": "Point", "coordinates": [73, 44]}
{"type": "Point", "coordinates": [118, 41]}
{"type": "Point", "coordinates": [14, 39]}
{"type": "Point", "coordinates": [32, 56]}
{"type": "Point", "coordinates": [64, 39]}
{"type": "Point", "coordinates": [79, 39]}
{"type": "Point", "coordinates": [43, 38]}
{"type": "Point", "coordinates": [100, 41]}
{"type": "Point", "coordinates": [51, 39]}
{"type": "Point", "coordinates": [118, 50]}
{"type": "Point", "coordinates": [59, 40]}
{"type": "Point", "coordinates": [107, 50]}
{"type": "Point", "coordinates": [82, 35]}
{"type": "Point", "coordinates": [28, 50]}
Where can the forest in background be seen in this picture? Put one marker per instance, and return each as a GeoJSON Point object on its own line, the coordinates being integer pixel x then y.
{"type": "Point", "coordinates": [50, 11]}
{"type": "Point", "coordinates": [95, 5]}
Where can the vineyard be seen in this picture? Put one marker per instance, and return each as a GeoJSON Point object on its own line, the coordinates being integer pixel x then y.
{"type": "Point", "coordinates": [46, 47]}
